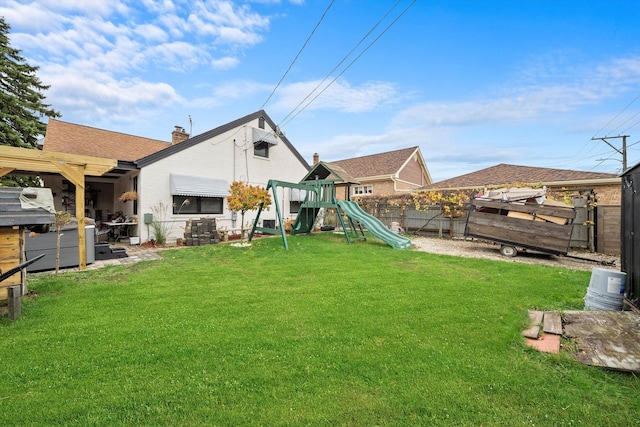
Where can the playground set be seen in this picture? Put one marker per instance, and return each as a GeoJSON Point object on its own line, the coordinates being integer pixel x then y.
{"type": "Point", "coordinates": [320, 194]}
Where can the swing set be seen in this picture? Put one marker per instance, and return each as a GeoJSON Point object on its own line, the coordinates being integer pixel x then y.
{"type": "Point", "coordinates": [319, 194]}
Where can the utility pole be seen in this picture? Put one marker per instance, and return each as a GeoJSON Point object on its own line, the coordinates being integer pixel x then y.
{"type": "Point", "coordinates": [622, 151]}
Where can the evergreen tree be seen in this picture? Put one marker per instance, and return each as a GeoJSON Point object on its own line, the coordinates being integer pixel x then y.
{"type": "Point", "coordinates": [21, 100]}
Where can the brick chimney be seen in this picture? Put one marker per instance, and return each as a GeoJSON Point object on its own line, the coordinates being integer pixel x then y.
{"type": "Point", "coordinates": [178, 135]}
{"type": "Point", "coordinates": [316, 158]}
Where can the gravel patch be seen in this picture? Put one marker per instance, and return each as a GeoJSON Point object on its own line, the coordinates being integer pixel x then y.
{"type": "Point", "coordinates": [473, 248]}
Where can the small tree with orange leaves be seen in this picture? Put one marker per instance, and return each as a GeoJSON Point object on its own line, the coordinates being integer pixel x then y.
{"type": "Point", "coordinates": [245, 197]}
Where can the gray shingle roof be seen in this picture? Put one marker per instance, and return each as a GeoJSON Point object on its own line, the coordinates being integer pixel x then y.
{"type": "Point", "coordinates": [380, 164]}
{"type": "Point", "coordinates": [504, 174]}
{"type": "Point", "coordinates": [63, 137]}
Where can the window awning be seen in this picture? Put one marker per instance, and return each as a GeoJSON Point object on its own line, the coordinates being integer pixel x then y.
{"type": "Point", "coordinates": [198, 186]}
{"type": "Point", "coordinates": [260, 135]}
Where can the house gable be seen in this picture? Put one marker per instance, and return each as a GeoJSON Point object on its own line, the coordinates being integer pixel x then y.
{"type": "Point", "coordinates": [322, 170]}
{"type": "Point", "coordinates": [414, 172]}
{"type": "Point", "coordinates": [206, 136]}
{"type": "Point", "coordinates": [374, 165]}
{"type": "Point", "coordinates": [386, 173]}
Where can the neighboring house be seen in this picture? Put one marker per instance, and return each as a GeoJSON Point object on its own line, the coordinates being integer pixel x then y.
{"type": "Point", "coordinates": [394, 172]}
{"type": "Point", "coordinates": [586, 189]}
{"type": "Point", "coordinates": [164, 175]}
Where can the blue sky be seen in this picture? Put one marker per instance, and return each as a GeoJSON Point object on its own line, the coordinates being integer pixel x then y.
{"type": "Point", "coordinates": [473, 83]}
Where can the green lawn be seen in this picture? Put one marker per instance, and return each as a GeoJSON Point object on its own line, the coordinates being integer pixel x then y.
{"type": "Point", "coordinates": [325, 333]}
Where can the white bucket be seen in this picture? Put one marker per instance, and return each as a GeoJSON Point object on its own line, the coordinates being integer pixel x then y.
{"type": "Point", "coordinates": [606, 290]}
{"type": "Point", "coordinates": [134, 240]}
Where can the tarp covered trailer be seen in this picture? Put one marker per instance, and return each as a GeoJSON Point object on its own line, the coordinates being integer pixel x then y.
{"type": "Point", "coordinates": [530, 225]}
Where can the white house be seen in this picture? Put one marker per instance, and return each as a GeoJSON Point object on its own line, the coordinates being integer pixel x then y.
{"type": "Point", "coordinates": [201, 169]}
{"type": "Point", "coordinates": [165, 175]}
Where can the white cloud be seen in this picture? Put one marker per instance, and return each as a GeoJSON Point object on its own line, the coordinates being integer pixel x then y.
{"type": "Point", "coordinates": [95, 35]}
{"type": "Point", "coordinates": [100, 96]}
{"type": "Point", "coordinates": [523, 104]}
{"type": "Point", "coordinates": [159, 6]}
{"type": "Point", "coordinates": [239, 89]}
{"type": "Point", "coordinates": [45, 15]}
{"type": "Point", "coordinates": [102, 8]}
{"type": "Point", "coordinates": [96, 55]}
{"type": "Point", "coordinates": [151, 33]}
{"type": "Point", "coordinates": [177, 56]}
{"type": "Point", "coordinates": [225, 63]}
{"type": "Point", "coordinates": [228, 24]}
{"type": "Point", "coordinates": [27, 17]}
{"type": "Point", "coordinates": [340, 96]}
{"type": "Point", "coordinates": [53, 46]}
{"type": "Point", "coordinates": [175, 25]}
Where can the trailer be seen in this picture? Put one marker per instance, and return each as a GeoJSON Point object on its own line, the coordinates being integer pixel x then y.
{"type": "Point", "coordinates": [526, 222]}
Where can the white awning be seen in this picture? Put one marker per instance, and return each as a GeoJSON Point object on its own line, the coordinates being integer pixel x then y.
{"type": "Point", "coordinates": [198, 186]}
{"type": "Point", "coordinates": [260, 135]}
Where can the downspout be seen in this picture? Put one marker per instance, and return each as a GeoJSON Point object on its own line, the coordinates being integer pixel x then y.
{"type": "Point", "coordinates": [233, 221]}
{"type": "Point", "coordinates": [394, 178]}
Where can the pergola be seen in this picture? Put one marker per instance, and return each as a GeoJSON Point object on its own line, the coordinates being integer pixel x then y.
{"type": "Point", "coordinates": [72, 166]}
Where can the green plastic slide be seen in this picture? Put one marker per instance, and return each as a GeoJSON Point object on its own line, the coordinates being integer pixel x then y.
{"type": "Point", "coordinates": [374, 225]}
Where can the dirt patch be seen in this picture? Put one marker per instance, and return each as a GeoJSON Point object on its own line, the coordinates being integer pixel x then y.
{"type": "Point", "coordinates": [480, 249]}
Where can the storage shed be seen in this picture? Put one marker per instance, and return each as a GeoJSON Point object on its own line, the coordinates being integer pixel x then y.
{"type": "Point", "coordinates": [630, 232]}
{"type": "Point", "coordinates": [21, 209]}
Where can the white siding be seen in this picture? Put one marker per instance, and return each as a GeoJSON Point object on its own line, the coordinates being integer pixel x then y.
{"type": "Point", "coordinates": [228, 156]}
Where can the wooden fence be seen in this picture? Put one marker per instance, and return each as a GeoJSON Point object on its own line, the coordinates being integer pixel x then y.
{"type": "Point", "coordinates": [433, 222]}
{"type": "Point", "coordinates": [429, 222]}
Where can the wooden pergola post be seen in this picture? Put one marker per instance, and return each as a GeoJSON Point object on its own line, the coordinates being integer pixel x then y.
{"type": "Point", "coordinates": [75, 174]}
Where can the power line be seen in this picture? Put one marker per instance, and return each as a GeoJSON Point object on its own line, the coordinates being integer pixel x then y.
{"type": "Point", "coordinates": [623, 123]}
{"type": "Point", "coordinates": [352, 62]}
{"type": "Point", "coordinates": [616, 116]}
{"type": "Point", "coordinates": [587, 156]}
{"type": "Point", "coordinates": [298, 54]}
{"type": "Point", "coordinates": [607, 124]}
{"type": "Point", "coordinates": [341, 61]}
{"type": "Point", "coordinates": [631, 145]}
{"type": "Point", "coordinates": [633, 125]}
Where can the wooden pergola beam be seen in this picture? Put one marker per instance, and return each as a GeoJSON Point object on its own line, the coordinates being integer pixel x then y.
{"type": "Point", "coordinates": [5, 171]}
{"type": "Point", "coordinates": [71, 166]}
{"type": "Point", "coordinates": [46, 161]}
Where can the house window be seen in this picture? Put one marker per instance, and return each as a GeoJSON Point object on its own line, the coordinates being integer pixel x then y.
{"type": "Point", "coordinates": [269, 223]}
{"type": "Point", "coordinates": [261, 122]}
{"type": "Point", "coordinates": [362, 190]}
{"type": "Point", "coordinates": [261, 149]}
{"type": "Point", "coordinates": [197, 205]}
{"type": "Point", "coordinates": [294, 207]}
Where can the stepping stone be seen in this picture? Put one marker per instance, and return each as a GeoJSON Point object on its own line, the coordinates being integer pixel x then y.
{"type": "Point", "coordinates": [548, 343]}
{"type": "Point", "coordinates": [552, 323]}
{"type": "Point", "coordinates": [536, 320]}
